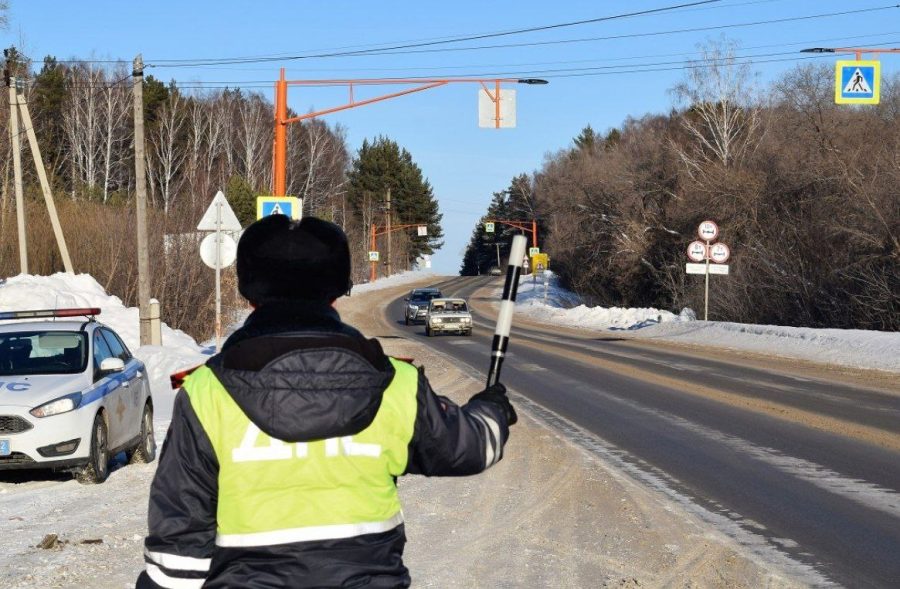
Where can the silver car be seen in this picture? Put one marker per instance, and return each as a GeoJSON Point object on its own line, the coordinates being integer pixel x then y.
{"type": "Point", "coordinates": [448, 315]}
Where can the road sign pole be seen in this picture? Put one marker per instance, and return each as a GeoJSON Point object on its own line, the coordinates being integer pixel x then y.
{"type": "Point", "coordinates": [706, 293]}
{"type": "Point", "coordinates": [218, 276]}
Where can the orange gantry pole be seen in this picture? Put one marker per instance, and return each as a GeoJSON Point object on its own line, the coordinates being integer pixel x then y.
{"type": "Point", "coordinates": [279, 152]}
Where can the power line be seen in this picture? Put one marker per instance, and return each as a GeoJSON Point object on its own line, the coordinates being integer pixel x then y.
{"type": "Point", "coordinates": [636, 35]}
{"type": "Point", "coordinates": [188, 63]}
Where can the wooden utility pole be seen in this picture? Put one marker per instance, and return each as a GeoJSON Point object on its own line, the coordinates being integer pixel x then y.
{"type": "Point", "coordinates": [140, 174]}
{"type": "Point", "coordinates": [45, 184]}
{"type": "Point", "coordinates": [388, 211]}
{"type": "Point", "coordinates": [17, 173]}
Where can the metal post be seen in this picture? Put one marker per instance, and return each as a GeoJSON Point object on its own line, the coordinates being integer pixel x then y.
{"type": "Point", "coordinates": [45, 184]}
{"type": "Point", "coordinates": [279, 178]}
{"type": "Point", "coordinates": [372, 264]}
{"type": "Point", "coordinates": [388, 210]}
{"type": "Point", "coordinates": [534, 233]}
{"type": "Point", "coordinates": [706, 292]}
{"type": "Point", "coordinates": [218, 276]}
{"type": "Point", "coordinates": [497, 243]}
{"type": "Point", "coordinates": [17, 173]}
{"type": "Point", "coordinates": [140, 177]}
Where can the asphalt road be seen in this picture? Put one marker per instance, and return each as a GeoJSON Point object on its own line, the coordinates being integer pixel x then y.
{"type": "Point", "coordinates": [782, 462]}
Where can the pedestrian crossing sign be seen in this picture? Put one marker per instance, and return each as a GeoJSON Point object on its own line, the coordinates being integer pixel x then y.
{"type": "Point", "coordinates": [290, 206]}
{"type": "Point", "coordinates": [857, 82]}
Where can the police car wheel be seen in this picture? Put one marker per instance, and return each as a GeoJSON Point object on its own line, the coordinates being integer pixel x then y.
{"type": "Point", "coordinates": [145, 451]}
{"type": "Point", "coordinates": [428, 331]}
{"type": "Point", "coordinates": [97, 468]}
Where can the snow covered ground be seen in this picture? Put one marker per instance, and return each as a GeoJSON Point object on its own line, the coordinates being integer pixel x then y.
{"type": "Point", "coordinates": [853, 348]}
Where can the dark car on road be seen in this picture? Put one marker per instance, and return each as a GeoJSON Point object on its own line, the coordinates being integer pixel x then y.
{"type": "Point", "coordinates": [417, 303]}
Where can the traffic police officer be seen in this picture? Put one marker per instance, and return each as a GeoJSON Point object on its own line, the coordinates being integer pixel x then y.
{"type": "Point", "coordinates": [279, 467]}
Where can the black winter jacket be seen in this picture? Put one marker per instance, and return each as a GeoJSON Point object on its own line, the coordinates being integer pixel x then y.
{"type": "Point", "coordinates": [337, 379]}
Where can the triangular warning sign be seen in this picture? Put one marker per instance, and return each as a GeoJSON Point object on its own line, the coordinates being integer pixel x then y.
{"type": "Point", "coordinates": [276, 210]}
{"type": "Point", "coordinates": [857, 84]}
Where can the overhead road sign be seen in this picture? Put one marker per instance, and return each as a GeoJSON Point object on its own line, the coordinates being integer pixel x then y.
{"type": "Point", "coordinates": [494, 113]}
{"type": "Point", "coordinates": [219, 216]}
{"type": "Point", "coordinates": [857, 82]}
{"type": "Point", "coordinates": [290, 206]}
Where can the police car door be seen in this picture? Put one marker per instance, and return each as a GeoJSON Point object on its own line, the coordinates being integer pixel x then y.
{"type": "Point", "coordinates": [132, 379]}
{"type": "Point", "coordinates": [115, 396]}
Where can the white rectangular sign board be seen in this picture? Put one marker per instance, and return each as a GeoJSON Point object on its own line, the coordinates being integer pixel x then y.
{"type": "Point", "coordinates": [487, 109]}
{"type": "Point", "coordinates": [701, 268]}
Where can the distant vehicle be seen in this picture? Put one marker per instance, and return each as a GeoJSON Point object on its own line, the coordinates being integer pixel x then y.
{"type": "Point", "coordinates": [446, 315]}
{"type": "Point", "coordinates": [494, 271]}
{"type": "Point", "coordinates": [71, 395]}
{"type": "Point", "coordinates": [417, 303]}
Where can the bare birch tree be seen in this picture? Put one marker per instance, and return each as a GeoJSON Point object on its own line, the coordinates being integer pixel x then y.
{"type": "Point", "coordinates": [723, 113]}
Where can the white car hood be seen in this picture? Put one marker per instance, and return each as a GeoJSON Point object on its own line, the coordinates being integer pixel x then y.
{"type": "Point", "coordinates": [35, 389]}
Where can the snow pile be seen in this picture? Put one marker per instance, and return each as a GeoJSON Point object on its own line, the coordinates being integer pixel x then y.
{"type": "Point", "coordinates": [392, 280]}
{"type": "Point", "coordinates": [854, 348]}
{"type": "Point", "coordinates": [59, 291]}
{"type": "Point", "coordinates": [562, 307]}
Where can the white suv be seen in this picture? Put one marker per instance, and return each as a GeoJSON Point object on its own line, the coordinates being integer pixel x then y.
{"type": "Point", "coordinates": [71, 395]}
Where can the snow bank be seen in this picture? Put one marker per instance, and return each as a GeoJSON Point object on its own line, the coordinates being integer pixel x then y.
{"type": "Point", "coordinates": [178, 349]}
{"type": "Point", "coordinates": [556, 305]}
{"type": "Point", "coordinates": [392, 280]}
{"type": "Point", "coordinates": [854, 348]}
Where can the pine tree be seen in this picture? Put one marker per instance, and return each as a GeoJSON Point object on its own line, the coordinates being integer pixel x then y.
{"type": "Point", "coordinates": [383, 164]}
{"type": "Point", "coordinates": [242, 199]}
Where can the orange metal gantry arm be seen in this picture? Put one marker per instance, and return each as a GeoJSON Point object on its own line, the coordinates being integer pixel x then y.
{"type": "Point", "coordinates": [375, 233]}
{"type": "Point", "coordinates": [520, 225]}
{"type": "Point", "coordinates": [279, 149]}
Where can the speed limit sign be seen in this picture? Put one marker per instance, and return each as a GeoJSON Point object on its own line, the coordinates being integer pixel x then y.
{"type": "Point", "coordinates": [708, 231]}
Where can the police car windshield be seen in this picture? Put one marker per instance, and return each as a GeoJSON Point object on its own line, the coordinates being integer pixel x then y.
{"type": "Point", "coordinates": [42, 352]}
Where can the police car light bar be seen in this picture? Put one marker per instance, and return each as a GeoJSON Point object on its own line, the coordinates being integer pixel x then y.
{"type": "Point", "coordinates": [44, 313]}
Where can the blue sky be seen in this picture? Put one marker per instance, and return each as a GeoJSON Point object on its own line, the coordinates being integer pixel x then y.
{"type": "Point", "coordinates": [464, 163]}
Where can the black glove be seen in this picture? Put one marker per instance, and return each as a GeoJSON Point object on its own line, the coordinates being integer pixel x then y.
{"type": "Point", "coordinates": [496, 393]}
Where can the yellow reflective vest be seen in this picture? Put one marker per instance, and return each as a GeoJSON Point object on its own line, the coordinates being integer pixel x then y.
{"type": "Point", "coordinates": [275, 492]}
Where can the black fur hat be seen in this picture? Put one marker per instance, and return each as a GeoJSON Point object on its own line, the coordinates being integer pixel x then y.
{"type": "Point", "coordinates": [279, 259]}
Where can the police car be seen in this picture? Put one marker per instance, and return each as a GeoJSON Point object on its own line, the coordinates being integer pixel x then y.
{"type": "Point", "coordinates": [71, 395]}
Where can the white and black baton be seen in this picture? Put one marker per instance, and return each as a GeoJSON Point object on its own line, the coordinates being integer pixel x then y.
{"type": "Point", "coordinates": [504, 319]}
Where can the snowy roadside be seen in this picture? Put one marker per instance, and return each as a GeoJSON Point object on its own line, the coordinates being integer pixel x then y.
{"type": "Point", "coordinates": [852, 348]}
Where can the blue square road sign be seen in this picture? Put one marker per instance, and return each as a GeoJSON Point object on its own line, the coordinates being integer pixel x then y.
{"type": "Point", "coordinates": [857, 82]}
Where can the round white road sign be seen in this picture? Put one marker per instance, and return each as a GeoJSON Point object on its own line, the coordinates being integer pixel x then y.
{"type": "Point", "coordinates": [719, 253]}
{"type": "Point", "coordinates": [708, 231]}
{"type": "Point", "coordinates": [697, 251]}
{"type": "Point", "coordinates": [227, 250]}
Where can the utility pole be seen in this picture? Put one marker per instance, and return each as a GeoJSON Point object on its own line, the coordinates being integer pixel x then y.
{"type": "Point", "coordinates": [140, 174]}
{"type": "Point", "coordinates": [45, 184]}
{"type": "Point", "coordinates": [388, 210]}
{"type": "Point", "coordinates": [497, 243]}
{"type": "Point", "coordinates": [17, 173]}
